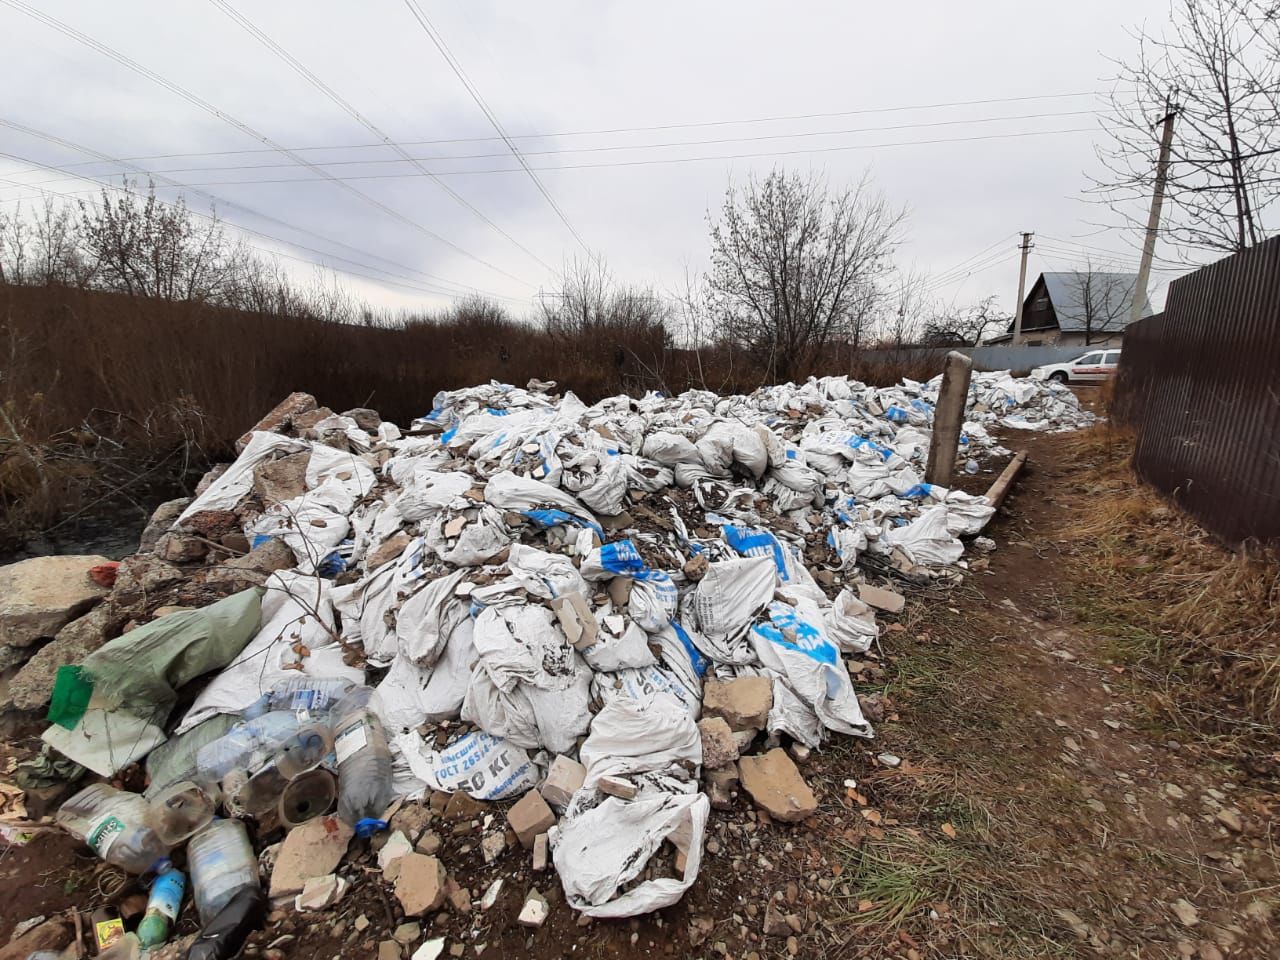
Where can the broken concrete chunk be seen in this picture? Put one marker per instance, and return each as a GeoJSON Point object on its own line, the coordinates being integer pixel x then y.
{"type": "Point", "coordinates": [564, 778]}
{"type": "Point", "coordinates": [535, 910]}
{"type": "Point", "coordinates": [696, 567]}
{"type": "Point", "coordinates": [777, 787]}
{"type": "Point", "coordinates": [455, 527]}
{"type": "Point", "coordinates": [280, 417]}
{"type": "Point", "coordinates": [407, 933]}
{"type": "Point", "coordinates": [540, 843]}
{"type": "Point", "coordinates": [430, 949]}
{"type": "Point", "coordinates": [886, 600]}
{"type": "Point", "coordinates": [397, 846]}
{"type": "Point", "coordinates": [493, 845]}
{"type": "Point", "coordinates": [313, 849]}
{"type": "Point", "coordinates": [577, 619]}
{"type": "Point", "coordinates": [162, 519]}
{"type": "Point", "coordinates": [38, 597]}
{"type": "Point", "coordinates": [275, 481]}
{"type": "Point", "coordinates": [721, 786]}
{"type": "Point", "coordinates": [267, 557]}
{"type": "Point", "coordinates": [744, 702]}
{"type": "Point", "coordinates": [389, 950]}
{"type": "Point", "coordinates": [617, 787]}
{"type": "Point", "coordinates": [491, 894]}
{"type": "Point", "coordinates": [529, 817]}
{"type": "Point", "coordinates": [420, 886]}
{"type": "Point", "coordinates": [719, 748]}
{"type": "Point", "coordinates": [178, 547]}
{"type": "Point", "coordinates": [388, 550]}
{"type": "Point", "coordinates": [620, 591]}
{"type": "Point", "coordinates": [366, 419]}
{"type": "Point", "coordinates": [321, 893]}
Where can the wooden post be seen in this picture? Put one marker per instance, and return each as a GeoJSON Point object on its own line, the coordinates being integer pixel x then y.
{"type": "Point", "coordinates": [1000, 489]}
{"type": "Point", "coordinates": [948, 418]}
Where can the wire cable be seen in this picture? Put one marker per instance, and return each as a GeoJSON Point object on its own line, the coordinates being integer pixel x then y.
{"type": "Point", "coordinates": [205, 105]}
{"type": "Point", "coordinates": [461, 74]}
{"type": "Point", "coordinates": [258, 34]}
{"type": "Point", "coordinates": [214, 201]}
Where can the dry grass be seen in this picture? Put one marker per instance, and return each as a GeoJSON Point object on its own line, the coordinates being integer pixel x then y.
{"type": "Point", "coordinates": [1201, 619]}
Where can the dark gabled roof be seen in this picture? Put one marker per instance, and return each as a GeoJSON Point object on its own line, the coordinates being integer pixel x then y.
{"type": "Point", "coordinates": [1110, 293]}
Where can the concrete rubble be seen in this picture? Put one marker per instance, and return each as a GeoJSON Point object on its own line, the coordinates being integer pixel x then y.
{"type": "Point", "coordinates": [586, 626]}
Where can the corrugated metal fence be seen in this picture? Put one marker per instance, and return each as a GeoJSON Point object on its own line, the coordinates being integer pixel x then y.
{"type": "Point", "coordinates": [1200, 383]}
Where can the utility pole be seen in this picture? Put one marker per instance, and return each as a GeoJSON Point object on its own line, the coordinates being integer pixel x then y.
{"type": "Point", "coordinates": [1022, 288]}
{"type": "Point", "coordinates": [1153, 221]}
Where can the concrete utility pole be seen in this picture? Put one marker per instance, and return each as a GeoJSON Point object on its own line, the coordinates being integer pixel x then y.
{"type": "Point", "coordinates": [948, 418]}
{"type": "Point", "coordinates": [1153, 221]}
{"type": "Point", "coordinates": [1022, 288]}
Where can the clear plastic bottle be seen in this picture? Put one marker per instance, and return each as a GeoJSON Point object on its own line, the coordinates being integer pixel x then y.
{"type": "Point", "coordinates": [222, 862]}
{"type": "Point", "coordinates": [364, 762]}
{"type": "Point", "coordinates": [311, 695]}
{"type": "Point", "coordinates": [246, 746]}
{"type": "Point", "coordinates": [116, 826]}
{"type": "Point", "coordinates": [181, 810]}
{"type": "Point", "coordinates": [302, 752]}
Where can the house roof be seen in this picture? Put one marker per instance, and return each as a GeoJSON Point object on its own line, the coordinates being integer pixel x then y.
{"type": "Point", "coordinates": [1111, 295]}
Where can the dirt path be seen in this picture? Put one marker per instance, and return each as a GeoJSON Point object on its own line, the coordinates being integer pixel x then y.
{"type": "Point", "coordinates": [1040, 808]}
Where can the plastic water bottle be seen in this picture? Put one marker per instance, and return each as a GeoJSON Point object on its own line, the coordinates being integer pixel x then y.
{"type": "Point", "coordinates": [302, 752]}
{"type": "Point", "coordinates": [309, 697]}
{"type": "Point", "coordinates": [364, 762]}
{"type": "Point", "coordinates": [181, 810]}
{"type": "Point", "coordinates": [222, 862]}
{"type": "Point", "coordinates": [247, 745]}
{"type": "Point", "coordinates": [115, 825]}
{"type": "Point", "coordinates": [163, 906]}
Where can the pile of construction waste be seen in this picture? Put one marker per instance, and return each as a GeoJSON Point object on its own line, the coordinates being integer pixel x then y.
{"type": "Point", "coordinates": [619, 615]}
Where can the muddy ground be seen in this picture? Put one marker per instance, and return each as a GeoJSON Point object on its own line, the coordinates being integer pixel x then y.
{"type": "Point", "coordinates": [1042, 807]}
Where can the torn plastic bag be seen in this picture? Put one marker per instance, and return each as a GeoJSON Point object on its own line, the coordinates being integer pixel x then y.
{"type": "Point", "coordinates": [312, 524]}
{"type": "Point", "coordinates": [482, 538]}
{"type": "Point", "coordinates": [522, 643]}
{"type": "Point", "coordinates": [530, 716]}
{"type": "Point", "coordinates": [427, 619]}
{"type": "Point", "coordinates": [848, 543]}
{"type": "Point", "coordinates": [610, 653]}
{"type": "Point", "coordinates": [410, 694]}
{"type": "Point", "coordinates": [785, 499]}
{"type": "Point", "coordinates": [792, 644]}
{"type": "Point", "coordinates": [429, 492]}
{"type": "Point", "coordinates": [506, 491]}
{"type": "Point", "coordinates": [851, 623]}
{"type": "Point", "coordinates": [670, 449]}
{"type": "Point", "coordinates": [140, 671]}
{"type": "Point", "coordinates": [647, 475]}
{"type": "Point", "coordinates": [598, 478]}
{"type": "Point", "coordinates": [727, 601]}
{"type": "Point", "coordinates": [480, 765]}
{"type": "Point", "coordinates": [297, 639]}
{"type": "Point", "coordinates": [727, 443]}
{"type": "Point", "coordinates": [545, 575]}
{"type": "Point", "coordinates": [792, 716]}
{"type": "Point", "coordinates": [598, 850]}
{"type": "Point", "coordinates": [758, 542]}
{"type": "Point", "coordinates": [630, 737]}
{"type": "Point", "coordinates": [365, 604]}
{"type": "Point", "coordinates": [351, 470]}
{"type": "Point", "coordinates": [926, 540]}
{"type": "Point", "coordinates": [653, 596]}
{"type": "Point", "coordinates": [967, 514]}
{"type": "Point", "coordinates": [237, 480]}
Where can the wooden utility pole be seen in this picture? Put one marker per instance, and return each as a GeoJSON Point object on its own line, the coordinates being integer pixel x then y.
{"type": "Point", "coordinates": [1022, 288]}
{"type": "Point", "coordinates": [1153, 221]}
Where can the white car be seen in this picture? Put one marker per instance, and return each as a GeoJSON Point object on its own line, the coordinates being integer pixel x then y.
{"type": "Point", "coordinates": [1091, 368]}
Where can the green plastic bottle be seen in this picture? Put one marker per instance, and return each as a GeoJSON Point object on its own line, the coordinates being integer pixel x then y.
{"type": "Point", "coordinates": [163, 905]}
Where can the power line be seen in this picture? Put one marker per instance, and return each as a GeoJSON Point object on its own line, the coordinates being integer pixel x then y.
{"type": "Point", "coordinates": [614, 130]}
{"type": "Point", "coordinates": [364, 121]}
{"type": "Point", "coordinates": [418, 287]}
{"type": "Point", "coordinates": [962, 264]}
{"type": "Point", "coordinates": [416, 161]}
{"type": "Point", "coordinates": [214, 201]}
{"type": "Point", "coordinates": [244, 128]}
{"type": "Point", "coordinates": [652, 162]}
{"type": "Point", "coordinates": [461, 74]}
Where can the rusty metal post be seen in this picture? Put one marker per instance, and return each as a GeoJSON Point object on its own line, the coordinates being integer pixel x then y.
{"type": "Point", "coordinates": [948, 418]}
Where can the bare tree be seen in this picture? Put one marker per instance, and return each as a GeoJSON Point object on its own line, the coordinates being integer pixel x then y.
{"type": "Point", "coordinates": [964, 326]}
{"type": "Point", "coordinates": [15, 235]}
{"type": "Point", "coordinates": [903, 323]}
{"type": "Point", "coordinates": [1219, 67]}
{"type": "Point", "coordinates": [590, 301]}
{"type": "Point", "coordinates": [55, 248]}
{"type": "Point", "coordinates": [1102, 300]}
{"type": "Point", "coordinates": [145, 247]}
{"type": "Point", "coordinates": [796, 267]}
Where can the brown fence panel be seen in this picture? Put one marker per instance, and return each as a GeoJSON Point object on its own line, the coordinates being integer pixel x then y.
{"type": "Point", "coordinates": [1200, 384]}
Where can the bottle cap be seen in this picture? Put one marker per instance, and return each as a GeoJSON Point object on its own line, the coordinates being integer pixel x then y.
{"type": "Point", "coordinates": [369, 826]}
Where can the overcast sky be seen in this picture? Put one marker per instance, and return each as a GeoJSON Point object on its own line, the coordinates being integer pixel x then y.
{"type": "Point", "coordinates": [582, 76]}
